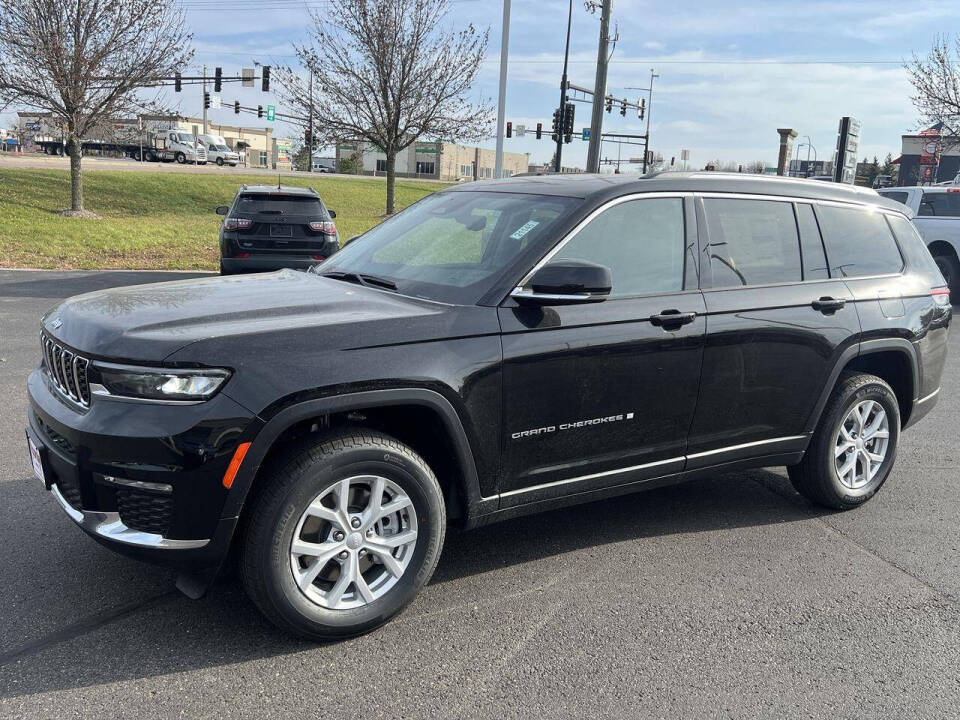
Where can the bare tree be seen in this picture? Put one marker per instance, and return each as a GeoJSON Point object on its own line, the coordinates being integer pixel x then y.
{"type": "Point", "coordinates": [386, 72]}
{"type": "Point", "coordinates": [936, 85]}
{"type": "Point", "coordinates": [84, 61]}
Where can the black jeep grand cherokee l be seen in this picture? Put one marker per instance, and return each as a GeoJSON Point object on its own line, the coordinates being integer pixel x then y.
{"type": "Point", "coordinates": [274, 227]}
{"type": "Point", "coordinates": [496, 349]}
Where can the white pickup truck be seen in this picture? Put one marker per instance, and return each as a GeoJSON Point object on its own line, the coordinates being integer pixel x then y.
{"type": "Point", "coordinates": [936, 210]}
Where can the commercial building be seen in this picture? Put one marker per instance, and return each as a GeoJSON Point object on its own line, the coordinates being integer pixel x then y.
{"type": "Point", "coordinates": [928, 157]}
{"type": "Point", "coordinates": [809, 168]}
{"type": "Point", "coordinates": [434, 160]}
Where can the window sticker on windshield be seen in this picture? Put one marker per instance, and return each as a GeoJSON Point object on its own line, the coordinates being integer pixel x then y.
{"type": "Point", "coordinates": [524, 229]}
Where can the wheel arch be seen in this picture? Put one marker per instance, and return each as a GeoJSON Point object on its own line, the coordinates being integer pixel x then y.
{"type": "Point", "coordinates": [892, 359]}
{"type": "Point", "coordinates": [460, 480]}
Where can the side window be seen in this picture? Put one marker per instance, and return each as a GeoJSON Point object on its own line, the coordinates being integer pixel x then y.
{"type": "Point", "coordinates": [859, 242]}
{"type": "Point", "coordinates": [940, 204]}
{"type": "Point", "coordinates": [898, 195]}
{"type": "Point", "coordinates": [914, 247]}
{"type": "Point", "coordinates": [752, 242]}
{"type": "Point", "coordinates": [811, 246]}
{"type": "Point", "coordinates": [641, 241]}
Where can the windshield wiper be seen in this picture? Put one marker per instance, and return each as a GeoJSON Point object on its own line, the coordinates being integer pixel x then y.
{"type": "Point", "coordinates": [362, 279]}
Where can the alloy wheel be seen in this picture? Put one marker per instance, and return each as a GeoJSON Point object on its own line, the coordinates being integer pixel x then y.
{"type": "Point", "coordinates": [861, 444]}
{"type": "Point", "coordinates": [353, 542]}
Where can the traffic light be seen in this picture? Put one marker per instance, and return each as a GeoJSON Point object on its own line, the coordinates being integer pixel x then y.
{"type": "Point", "coordinates": [568, 114]}
{"type": "Point", "coordinates": [557, 123]}
{"type": "Point", "coordinates": [307, 137]}
{"type": "Point", "coordinates": [609, 104]}
{"type": "Point", "coordinates": [206, 101]}
{"type": "Point", "coordinates": [623, 107]}
{"type": "Point", "coordinates": [265, 82]}
{"type": "Point", "coordinates": [177, 83]}
{"type": "Point", "coordinates": [509, 129]}
{"type": "Point", "coordinates": [642, 109]}
{"type": "Point", "coordinates": [672, 159]}
{"type": "Point", "coordinates": [539, 130]}
{"type": "Point", "coordinates": [259, 111]}
{"type": "Point", "coordinates": [217, 79]}
{"type": "Point", "coordinates": [236, 107]}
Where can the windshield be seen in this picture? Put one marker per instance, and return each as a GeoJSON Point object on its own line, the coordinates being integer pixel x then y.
{"type": "Point", "coordinates": [223, 148]}
{"type": "Point", "coordinates": [184, 138]}
{"type": "Point", "coordinates": [454, 246]}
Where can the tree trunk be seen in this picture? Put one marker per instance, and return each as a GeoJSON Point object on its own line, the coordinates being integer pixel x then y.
{"type": "Point", "coordinates": [391, 178]}
{"type": "Point", "coordinates": [76, 174]}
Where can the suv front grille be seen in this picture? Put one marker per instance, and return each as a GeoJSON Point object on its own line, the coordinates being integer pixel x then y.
{"type": "Point", "coordinates": [67, 370]}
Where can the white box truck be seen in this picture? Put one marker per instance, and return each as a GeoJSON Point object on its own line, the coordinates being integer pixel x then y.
{"type": "Point", "coordinates": [218, 151]}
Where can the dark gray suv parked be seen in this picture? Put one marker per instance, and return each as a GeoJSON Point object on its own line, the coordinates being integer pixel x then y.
{"type": "Point", "coordinates": [269, 227]}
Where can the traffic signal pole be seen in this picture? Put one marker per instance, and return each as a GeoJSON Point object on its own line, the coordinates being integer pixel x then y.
{"type": "Point", "coordinates": [204, 95]}
{"type": "Point", "coordinates": [563, 90]}
{"type": "Point", "coordinates": [502, 96]}
{"type": "Point", "coordinates": [310, 126]}
{"type": "Point", "coordinates": [600, 89]}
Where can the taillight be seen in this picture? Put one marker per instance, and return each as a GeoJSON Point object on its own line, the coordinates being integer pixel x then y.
{"type": "Point", "coordinates": [941, 296]}
{"type": "Point", "coordinates": [319, 257]}
{"type": "Point", "coordinates": [326, 227]}
{"type": "Point", "coordinates": [237, 223]}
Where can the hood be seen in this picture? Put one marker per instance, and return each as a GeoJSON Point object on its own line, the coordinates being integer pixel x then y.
{"type": "Point", "coordinates": [147, 323]}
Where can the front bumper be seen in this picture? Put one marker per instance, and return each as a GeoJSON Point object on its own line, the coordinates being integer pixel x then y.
{"type": "Point", "coordinates": [142, 479]}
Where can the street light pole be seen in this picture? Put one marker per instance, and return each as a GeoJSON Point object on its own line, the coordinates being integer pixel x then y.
{"type": "Point", "coordinates": [646, 142]}
{"type": "Point", "coordinates": [502, 100]}
{"type": "Point", "coordinates": [563, 91]}
{"type": "Point", "coordinates": [203, 100]}
{"type": "Point", "coordinates": [310, 125]}
{"type": "Point", "coordinates": [599, 88]}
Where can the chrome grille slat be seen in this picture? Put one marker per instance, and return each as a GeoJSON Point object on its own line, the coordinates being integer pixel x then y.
{"type": "Point", "coordinates": [67, 371]}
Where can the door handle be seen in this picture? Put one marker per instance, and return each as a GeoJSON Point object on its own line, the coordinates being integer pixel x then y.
{"type": "Point", "coordinates": [828, 304]}
{"type": "Point", "coordinates": [671, 319]}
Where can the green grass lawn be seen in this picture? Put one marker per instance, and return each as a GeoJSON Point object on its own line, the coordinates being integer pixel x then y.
{"type": "Point", "coordinates": [154, 220]}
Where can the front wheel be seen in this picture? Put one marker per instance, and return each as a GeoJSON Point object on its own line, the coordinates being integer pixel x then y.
{"type": "Point", "coordinates": [342, 534]}
{"type": "Point", "coordinates": [181, 158]}
{"type": "Point", "coordinates": [854, 447]}
{"type": "Point", "coordinates": [220, 161]}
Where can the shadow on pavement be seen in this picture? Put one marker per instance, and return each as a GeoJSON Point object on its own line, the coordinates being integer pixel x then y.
{"type": "Point", "coordinates": [165, 633]}
{"type": "Point", "coordinates": [66, 283]}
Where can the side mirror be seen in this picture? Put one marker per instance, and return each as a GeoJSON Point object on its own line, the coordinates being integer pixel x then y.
{"type": "Point", "coordinates": [331, 213]}
{"type": "Point", "coordinates": [566, 282]}
{"type": "Point", "coordinates": [223, 209]}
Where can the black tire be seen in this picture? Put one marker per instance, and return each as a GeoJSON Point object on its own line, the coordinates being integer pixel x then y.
{"type": "Point", "coordinates": [815, 477]}
{"type": "Point", "coordinates": [220, 161]}
{"type": "Point", "coordinates": [289, 485]}
{"type": "Point", "coordinates": [223, 270]}
{"type": "Point", "coordinates": [180, 158]}
{"type": "Point", "coordinates": [950, 271]}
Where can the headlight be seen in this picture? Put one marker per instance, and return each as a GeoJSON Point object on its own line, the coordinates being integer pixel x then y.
{"type": "Point", "coordinates": [160, 384]}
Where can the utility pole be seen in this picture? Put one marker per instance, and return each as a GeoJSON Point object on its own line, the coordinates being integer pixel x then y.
{"type": "Point", "coordinates": [502, 100]}
{"type": "Point", "coordinates": [599, 88]}
{"type": "Point", "coordinates": [310, 125]}
{"type": "Point", "coordinates": [563, 91]}
{"type": "Point", "coordinates": [646, 146]}
{"type": "Point", "coordinates": [204, 104]}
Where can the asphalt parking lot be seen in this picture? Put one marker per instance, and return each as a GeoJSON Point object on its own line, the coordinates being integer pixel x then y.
{"type": "Point", "coordinates": [726, 597]}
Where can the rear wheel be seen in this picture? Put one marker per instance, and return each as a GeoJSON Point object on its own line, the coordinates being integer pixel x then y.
{"type": "Point", "coordinates": [343, 534]}
{"type": "Point", "coordinates": [854, 447]}
{"type": "Point", "coordinates": [950, 271]}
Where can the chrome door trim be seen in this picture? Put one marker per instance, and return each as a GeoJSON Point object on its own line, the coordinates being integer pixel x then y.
{"type": "Point", "coordinates": [607, 473]}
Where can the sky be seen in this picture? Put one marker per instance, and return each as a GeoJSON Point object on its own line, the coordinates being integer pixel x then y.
{"type": "Point", "coordinates": [730, 71]}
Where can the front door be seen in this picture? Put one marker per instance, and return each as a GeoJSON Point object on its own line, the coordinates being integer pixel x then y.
{"type": "Point", "coordinates": [602, 394]}
{"type": "Point", "coordinates": [777, 323]}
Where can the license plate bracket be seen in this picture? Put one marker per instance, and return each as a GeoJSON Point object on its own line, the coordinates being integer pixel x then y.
{"type": "Point", "coordinates": [36, 462]}
{"type": "Point", "coordinates": [281, 231]}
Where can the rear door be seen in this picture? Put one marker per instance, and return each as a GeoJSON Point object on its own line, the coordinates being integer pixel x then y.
{"type": "Point", "coordinates": [776, 324]}
{"type": "Point", "coordinates": [602, 394]}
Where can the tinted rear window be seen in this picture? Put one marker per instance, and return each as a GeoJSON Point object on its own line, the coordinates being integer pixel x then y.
{"type": "Point", "coordinates": [279, 204]}
{"type": "Point", "coordinates": [940, 204]}
{"type": "Point", "coordinates": [814, 261]}
{"type": "Point", "coordinates": [900, 197]}
{"type": "Point", "coordinates": [859, 242]}
{"type": "Point", "coordinates": [915, 248]}
{"type": "Point", "coordinates": [752, 242]}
